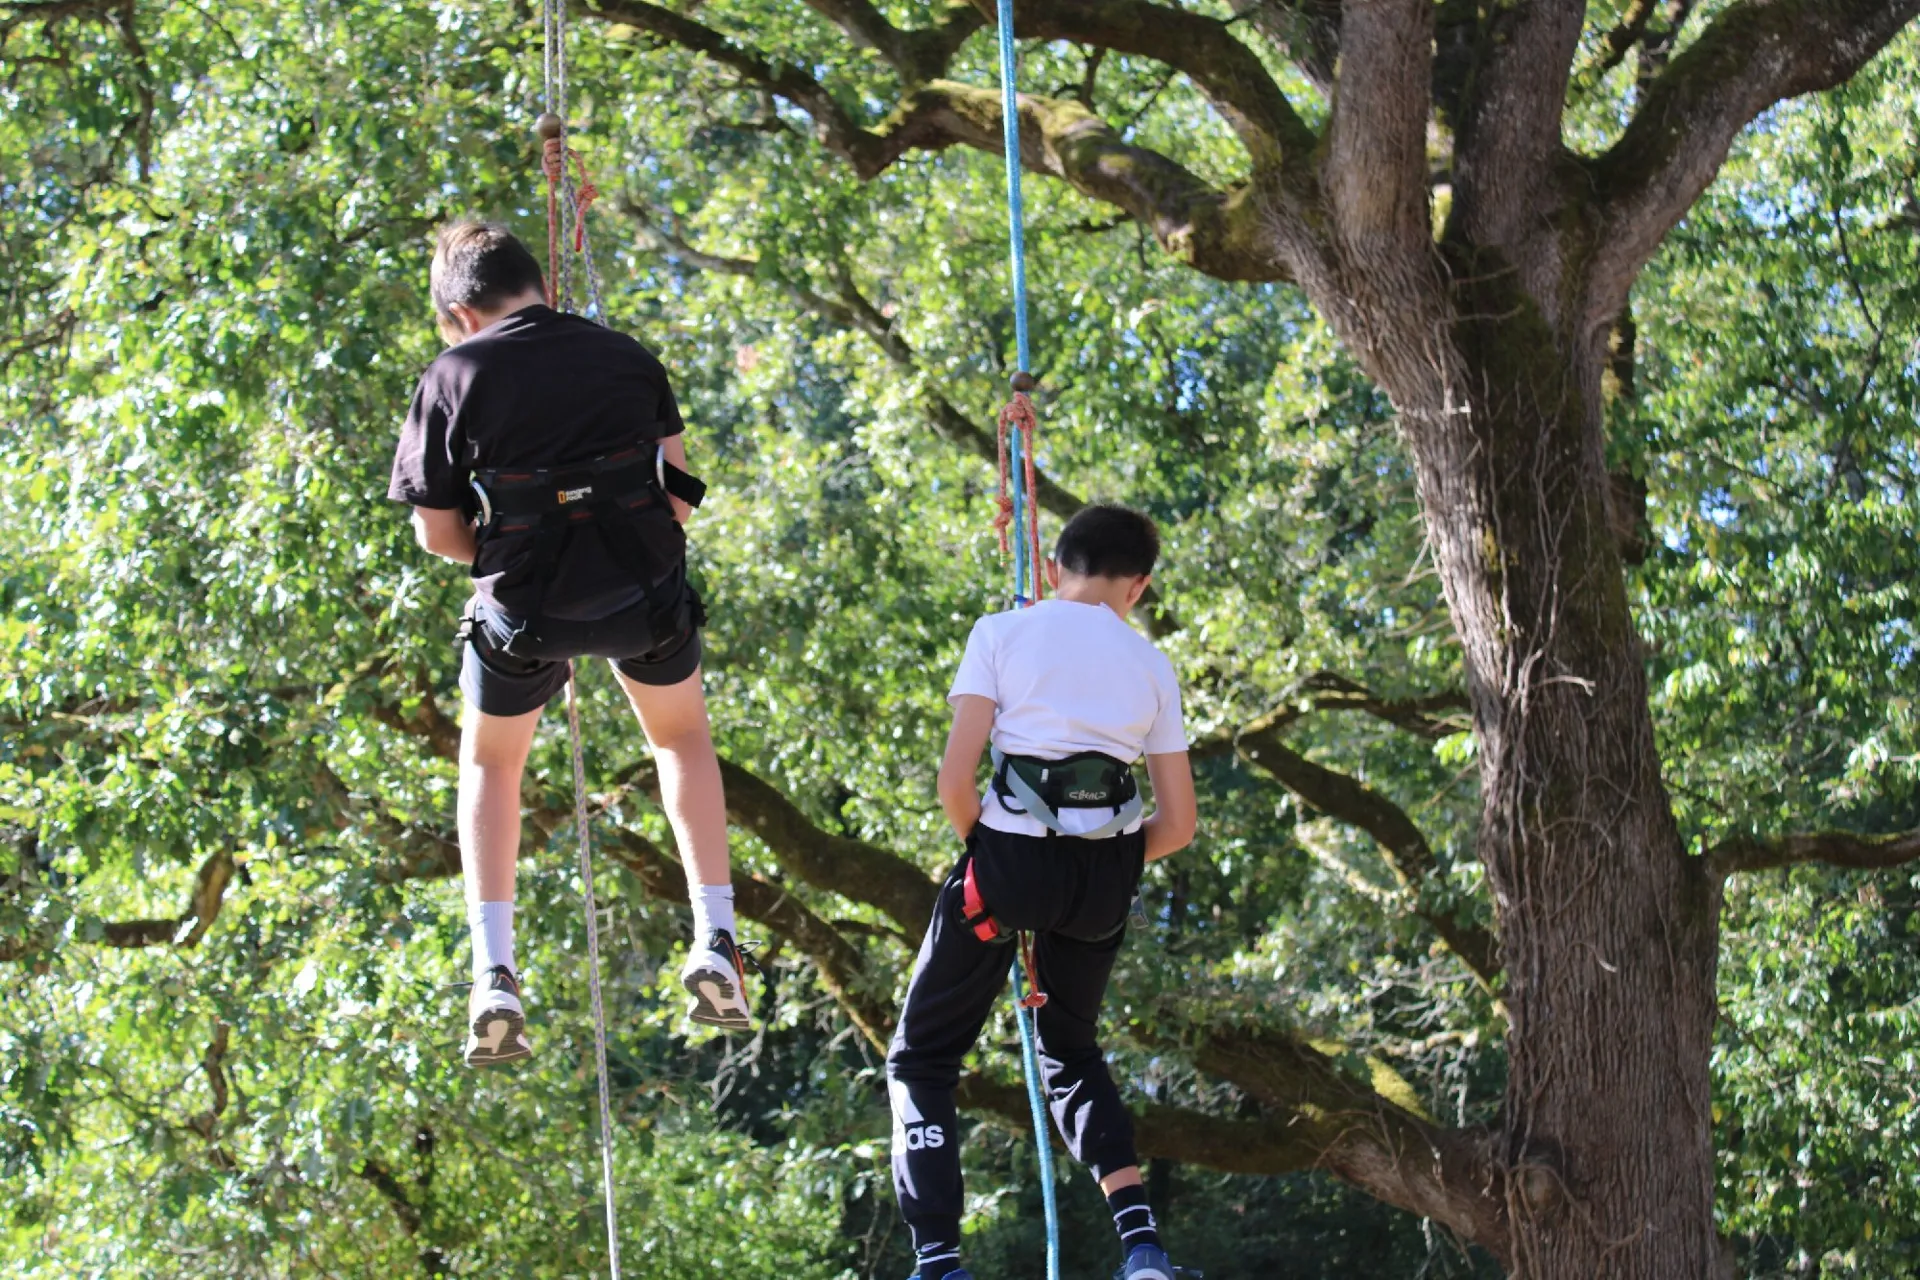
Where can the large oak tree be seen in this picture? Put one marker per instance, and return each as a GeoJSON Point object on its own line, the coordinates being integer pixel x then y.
{"type": "Point", "coordinates": [1407, 167]}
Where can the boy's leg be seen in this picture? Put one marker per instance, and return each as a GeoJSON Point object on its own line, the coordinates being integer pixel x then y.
{"type": "Point", "coordinates": [1085, 1103]}
{"type": "Point", "coordinates": [504, 696]}
{"type": "Point", "coordinates": [493, 757]}
{"type": "Point", "coordinates": [674, 718]}
{"type": "Point", "coordinates": [956, 980]}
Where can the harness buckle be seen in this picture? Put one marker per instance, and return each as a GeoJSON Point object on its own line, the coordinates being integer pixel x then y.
{"type": "Point", "coordinates": [486, 503]}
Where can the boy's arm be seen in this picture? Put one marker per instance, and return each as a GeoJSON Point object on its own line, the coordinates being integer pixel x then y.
{"type": "Point", "coordinates": [959, 768]}
{"type": "Point", "coordinates": [445, 533]}
{"type": "Point", "coordinates": [675, 449]}
{"type": "Point", "coordinates": [1176, 812]}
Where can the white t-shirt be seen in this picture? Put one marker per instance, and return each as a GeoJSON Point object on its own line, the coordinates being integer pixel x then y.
{"type": "Point", "coordinates": [1066, 678]}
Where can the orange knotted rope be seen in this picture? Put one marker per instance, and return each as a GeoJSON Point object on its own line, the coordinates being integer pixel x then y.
{"type": "Point", "coordinates": [553, 150]}
{"type": "Point", "coordinates": [584, 195]}
{"type": "Point", "coordinates": [1018, 415]}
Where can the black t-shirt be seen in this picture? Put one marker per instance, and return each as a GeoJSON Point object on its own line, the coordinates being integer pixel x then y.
{"type": "Point", "coordinates": [539, 389]}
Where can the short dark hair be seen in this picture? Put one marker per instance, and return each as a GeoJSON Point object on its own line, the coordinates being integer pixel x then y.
{"type": "Point", "coordinates": [1107, 540]}
{"type": "Point", "coordinates": [480, 265]}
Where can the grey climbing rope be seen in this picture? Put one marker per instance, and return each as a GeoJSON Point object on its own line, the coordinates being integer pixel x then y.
{"type": "Point", "coordinates": [567, 202]}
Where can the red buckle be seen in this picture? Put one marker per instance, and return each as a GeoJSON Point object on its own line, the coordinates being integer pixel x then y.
{"type": "Point", "coordinates": [973, 908]}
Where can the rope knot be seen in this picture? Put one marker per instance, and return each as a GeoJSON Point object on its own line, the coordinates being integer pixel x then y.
{"type": "Point", "coordinates": [583, 199]}
{"type": "Point", "coordinates": [1018, 415]}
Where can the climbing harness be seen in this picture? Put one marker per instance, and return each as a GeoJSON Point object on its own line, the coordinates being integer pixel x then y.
{"type": "Point", "coordinates": [1019, 528]}
{"type": "Point", "coordinates": [571, 197]}
{"type": "Point", "coordinates": [613, 493]}
{"type": "Point", "coordinates": [1089, 780]}
{"type": "Point", "coordinates": [628, 480]}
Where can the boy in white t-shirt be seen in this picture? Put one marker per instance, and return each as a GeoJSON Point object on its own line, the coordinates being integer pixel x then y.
{"type": "Point", "coordinates": [1070, 696]}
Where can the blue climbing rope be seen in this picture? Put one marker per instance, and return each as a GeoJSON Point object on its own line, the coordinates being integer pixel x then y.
{"type": "Point", "coordinates": [1025, 573]}
{"type": "Point", "coordinates": [1026, 578]}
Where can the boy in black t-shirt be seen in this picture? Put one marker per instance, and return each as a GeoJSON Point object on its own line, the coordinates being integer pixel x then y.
{"type": "Point", "coordinates": [545, 451]}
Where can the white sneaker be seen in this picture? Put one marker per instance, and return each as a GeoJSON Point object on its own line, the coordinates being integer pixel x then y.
{"type": "Point", "coordinates": [716, 978]}
{"type": "Point", "coordinates": [496, 1024]}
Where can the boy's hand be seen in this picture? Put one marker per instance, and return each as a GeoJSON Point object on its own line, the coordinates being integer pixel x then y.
{"type": "Point", "coordinates": [446, 533]}
{"type": "Point", "coordinates": [960, 767]}
{"type": "Point", "coordinates": [1176, 812]}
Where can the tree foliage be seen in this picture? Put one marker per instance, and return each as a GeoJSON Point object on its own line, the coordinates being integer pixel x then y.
{"type": "Point", "coordinates": [228, 697]}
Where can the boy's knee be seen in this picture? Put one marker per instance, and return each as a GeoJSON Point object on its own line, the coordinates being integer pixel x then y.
{"type": "Point", "coordinates": [917, 1069]}
{"type": "Point", "coordinates": [682, 738]}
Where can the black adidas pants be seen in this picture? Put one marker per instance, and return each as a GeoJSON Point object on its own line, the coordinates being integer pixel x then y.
{"type": "Point", "coordinates": [1074, 895]}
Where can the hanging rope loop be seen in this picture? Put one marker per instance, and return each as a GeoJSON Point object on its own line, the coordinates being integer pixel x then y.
{"type": "Point", "coordinates": [566, 198]}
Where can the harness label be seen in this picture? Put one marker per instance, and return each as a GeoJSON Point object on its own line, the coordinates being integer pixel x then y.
{"type": "Point", "coordinates": [1086, 795]}
{"type": "Point", "coordinates": [575, 495]}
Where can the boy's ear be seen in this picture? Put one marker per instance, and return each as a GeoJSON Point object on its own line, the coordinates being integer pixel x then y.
{"type": "Point", "coordinates": [1053, 573]}
{"type": "Point", "coordinates": [466, 322]}
{"type": "Point", "coordinates": [1137, 588]}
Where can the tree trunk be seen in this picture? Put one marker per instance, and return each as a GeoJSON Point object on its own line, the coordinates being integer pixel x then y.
{"type": "Point", "coordinates": [1608, 929]}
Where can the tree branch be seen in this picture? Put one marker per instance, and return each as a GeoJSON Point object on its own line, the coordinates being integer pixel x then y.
{"type": "Point", "coordinates": [1261, 1145]}
{"type": "Point", "coordinates": [1756, 53]}
{"type": "Point", "coordinates": [1376, 164]}
{"type": "Point", "coordinates": [1201, 48]}
{"type": "Point", "coordinates": [1306, 31]}
{"type": "Point", "coordinates": [1321, 1118]}
{"type": "Point", "coordinates": [213, 1063]}
{"type": "Point", "coordinates": [834, 125]}
{"type": "Point", "coordinates": [1835, 848]}
{"type": "Point", "coordinates": [1219, 233]}
{"type": "Point", "coordinates": [842, 967]}
{"type": "Point", "coordinates": [1333, 692]}
{"type": "Point", "coordinates": [1509, 135]}
{"type": "Point", "coordinates": [1362, 1138]}
{"type": "Point", "coordinates": [1223, 234]}
{"type": "Point", "coordinates": [917, 55]}
{"type": "Point", "coordinates": [187, 929]}
{"type": "Point", "coordinates": [854, 869]}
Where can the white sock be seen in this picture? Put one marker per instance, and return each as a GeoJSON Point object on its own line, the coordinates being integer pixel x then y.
{"type": "Point", "coordinates": [712, 909]}
{"type": "Point", "coordinates": [492, 925]}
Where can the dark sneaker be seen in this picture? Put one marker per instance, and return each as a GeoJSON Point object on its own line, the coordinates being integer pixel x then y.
{"type": "Point", "coordinates": [496, 1024]}
{"type": "Point", "coordinates": [716, 978]}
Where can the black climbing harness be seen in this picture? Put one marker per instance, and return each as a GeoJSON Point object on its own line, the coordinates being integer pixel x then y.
{"type": "Point", "coordinates": [612, 485]}
{"type": "Point", "coordinates": [613, 493]}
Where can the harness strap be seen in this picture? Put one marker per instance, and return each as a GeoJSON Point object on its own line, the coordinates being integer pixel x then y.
{"type": "Point", "coordinates": [974, 914]}
{"type": "Point", "coordinates": [684, 485]}
{"type": "Point", "coordinates": [973, 908]}
{"type": "Point", "coordinates": [1038, 808]}
{"type": "Point", "coordinates": [627, 479]}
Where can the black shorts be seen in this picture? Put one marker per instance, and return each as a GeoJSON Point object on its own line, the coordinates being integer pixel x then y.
{"type": "Point", "coordinates": [510, 667]}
